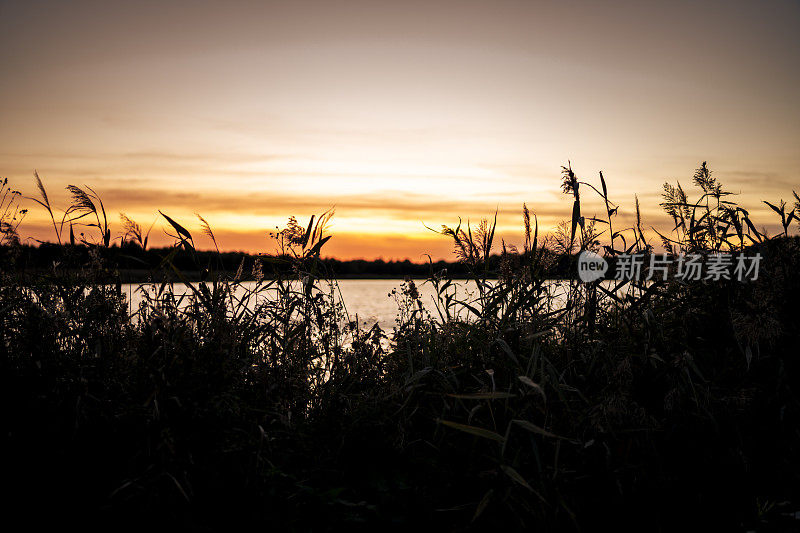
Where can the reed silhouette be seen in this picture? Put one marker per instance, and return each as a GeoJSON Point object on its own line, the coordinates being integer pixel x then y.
{"type": "Point", "coordinates": [634, 404]}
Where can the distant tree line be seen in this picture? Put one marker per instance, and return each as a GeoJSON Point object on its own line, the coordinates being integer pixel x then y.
{"type": "Point", "coordinates": [133, 263]}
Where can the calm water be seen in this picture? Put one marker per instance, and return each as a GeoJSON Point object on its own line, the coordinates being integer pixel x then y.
{"type": "Point", "coordinates": [371, 300]}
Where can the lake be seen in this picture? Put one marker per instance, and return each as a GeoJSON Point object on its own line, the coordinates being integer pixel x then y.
{"type": "Point", "coordinates": [371, 300]}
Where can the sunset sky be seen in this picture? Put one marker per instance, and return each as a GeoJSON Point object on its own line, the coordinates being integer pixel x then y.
{"type": "Point", "coordinates": [396, 113]}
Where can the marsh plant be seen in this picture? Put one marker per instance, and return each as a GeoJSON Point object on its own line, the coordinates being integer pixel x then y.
{"type": "Point", "coordinates": [523, 403]}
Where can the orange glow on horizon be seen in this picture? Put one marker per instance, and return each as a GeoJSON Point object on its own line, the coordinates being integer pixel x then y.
{"type": "Point", "coordinates": [398, 115]}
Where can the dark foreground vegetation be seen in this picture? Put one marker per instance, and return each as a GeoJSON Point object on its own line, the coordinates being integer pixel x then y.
{"type": "Point", "coordinates": [659, 406]}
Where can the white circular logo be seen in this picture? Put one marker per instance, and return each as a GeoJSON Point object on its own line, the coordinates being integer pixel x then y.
{"type": "Point", "coordinates": [591, 266]}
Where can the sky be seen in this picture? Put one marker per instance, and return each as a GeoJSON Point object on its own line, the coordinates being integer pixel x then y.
{"type": "Point", "coordinates": [401, 115]}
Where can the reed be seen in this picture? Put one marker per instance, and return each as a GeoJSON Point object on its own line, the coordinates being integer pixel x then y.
{"type": "Point", "coordinates": [526, 404]}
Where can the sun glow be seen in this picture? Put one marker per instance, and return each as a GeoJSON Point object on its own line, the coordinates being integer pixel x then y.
{"type": "Point", "coordinates": [250, 114]}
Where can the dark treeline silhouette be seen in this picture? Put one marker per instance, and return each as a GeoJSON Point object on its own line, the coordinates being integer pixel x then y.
{"type": "Point", "coordinates": [133, 264]}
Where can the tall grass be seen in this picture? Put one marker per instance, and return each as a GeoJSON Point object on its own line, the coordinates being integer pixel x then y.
{"type": "Point", "coordinates": [633, 404]}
